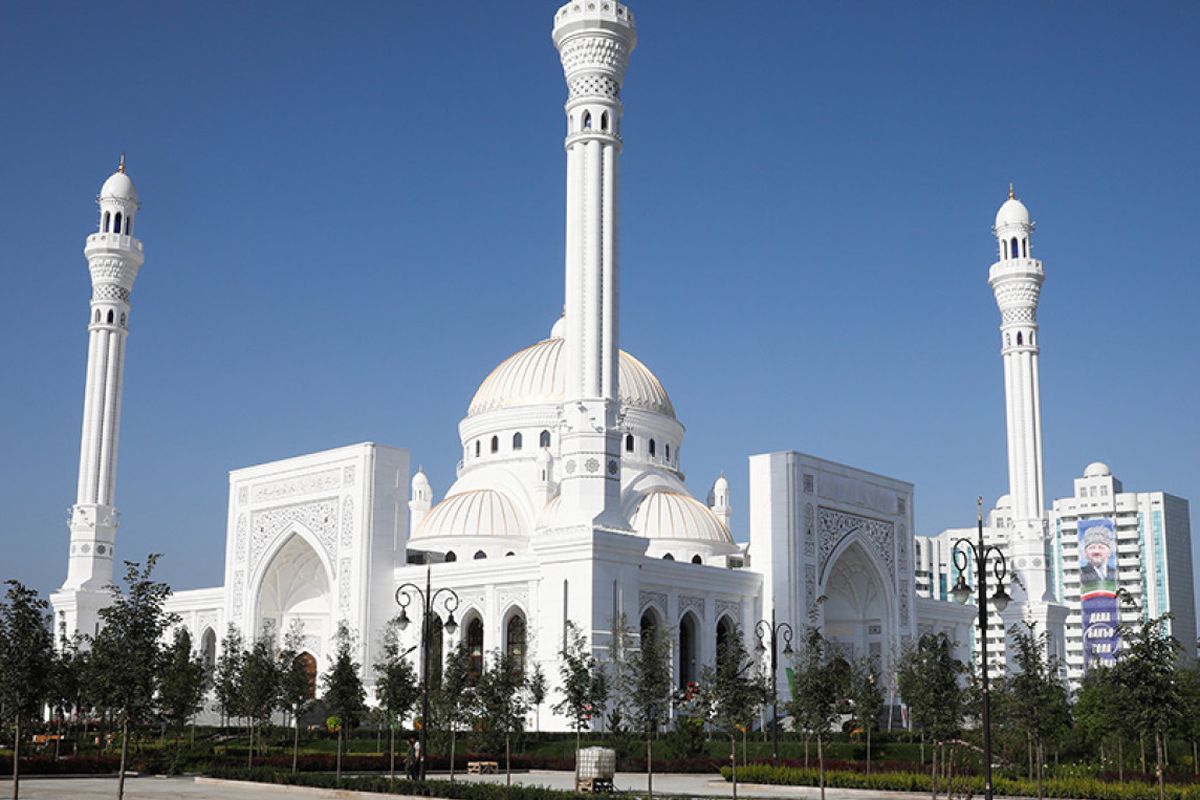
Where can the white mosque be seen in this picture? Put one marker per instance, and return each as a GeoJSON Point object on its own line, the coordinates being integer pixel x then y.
{"type": "Point", "coordinates": [569, 503]}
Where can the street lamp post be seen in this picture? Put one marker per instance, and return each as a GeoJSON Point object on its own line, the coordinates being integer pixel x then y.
{"type": "Point", "coordinates": [449, 597]}
{"type": "Point", "coordinates": [769, 630]}
{"type": "Point", "coordinates": [962, 593]}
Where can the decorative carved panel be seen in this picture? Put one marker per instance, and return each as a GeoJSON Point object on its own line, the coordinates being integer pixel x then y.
{"type": "Point", "coordinates": [285, 488]}
{"type": "Point", "coordinates": [879, 536]}
{"type": "Point", "coordinates": [319, 516]}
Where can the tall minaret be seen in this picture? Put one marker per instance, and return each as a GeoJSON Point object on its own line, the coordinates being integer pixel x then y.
{"type": "Point", "coordinates": [1016, 280]}
{"type": "Point", "coordinates": [114, 257]}
{"type": "Point", "coordinates": [594, 41]}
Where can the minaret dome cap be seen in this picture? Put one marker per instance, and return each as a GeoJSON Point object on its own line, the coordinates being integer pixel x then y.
{"type": "Point", "coordinates": [420, 481]}
{"type": "Point", "coordinates": [1013, 212]}
{"type": "Point", "coordinates": [119, 186]}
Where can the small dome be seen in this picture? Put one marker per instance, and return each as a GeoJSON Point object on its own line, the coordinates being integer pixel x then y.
{"type": "Point", "coordinates": [420, 481]}
{"type": "Point", "coordinates": [1097, 469]}
{"type": "Point", "coordinates": [1013, 212]}
{"type": "Point", "coordinates": [537, 376]}
{"type": "Point", "coordinates": [721, 484]}
{"type": "Point", "coordinates": [119, 187]}
{"type": "Point", "coordinates": [665, 514]}
{"type": "Point", "coordinates": [481, 512]}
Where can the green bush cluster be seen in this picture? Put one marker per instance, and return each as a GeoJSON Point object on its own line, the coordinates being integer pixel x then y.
{"type": "Point", "coordinates": [454, 791]}
{"type": "Point", "coordinates": [1092, 788]}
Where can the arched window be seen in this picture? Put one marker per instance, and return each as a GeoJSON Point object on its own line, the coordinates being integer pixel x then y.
{"type": "Point", "coordinates": [1025, 247]}
{"type": "Point", "coordinates": [514, 641]}
{"type": "Point", "coordinates": [629, 443]}
{"type": "Point", "coordinates": [477, 446]}
{"type": "Point", "coordinates": [122, 320]}
{"type": "Point", "coordinates": [479, 555]}
{"type": "Point", "coordinates": [687, 650]}
{"type": "Point", "coordinates": [725, 630]}
{"type": "Point", "coordinates": [509, 553]}
{"type": "Point", "coordinates": [495, 444]}
{"type": "Point", "coordinates": [1008, 340]}
{"type": "Point", "coordinates": [435, 652]}
{"type": "Point", "coordinates": [668, 557]}
{"type": "Point", "coordinates": [128, 223]}
{"type": "Point", "coordinates": [107, 221]}
{"type": "Point", "coordinates": [604, 121]}
{"type": "Point", "coordinates": [587, 120]}
{"type": "Point", "coordinates": [1014, 252]}
{"type": "Point", "coordinates": [308, 665]}
{"type": "Point", "coordinates": [117, 223]}
{"type": "Point", "coordinates": [652, 448]}
{"type": "Point", "coordinates": [1019, 342]}
{"type": "Point", "coordinates": [516, 441]}
{"type": "Point", "coordinates": [208, 647]}
{"type": "Point", "coordinates": [668, 451]}
{"type": "Point", "coordinates": [1004, 248]}
{"type": "Point", "coordinates": [475, 649]}
{"type": "Point", "coordinates": [544, 439]}
{"type": "Point", "coordinates": [97, 316]}
{"type": "Point", "coordinates": [450, 556]}
{"type": "Point", "coordinates": [110, 317]}
{"type": "Point", "coordinates": [696, 559]}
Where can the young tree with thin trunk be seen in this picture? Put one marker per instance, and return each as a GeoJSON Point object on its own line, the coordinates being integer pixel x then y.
{"type": "Point", "coordinates": [866, 693]}
{"type": "Point", "coordinates": [183, 683]}
{"type": "Point", "coordinates": [453, 696]}
{"type": "Point", "coordinates": [296, 689]}
{"type": "Point", "coordinates": [344, 693]}
{"type": "Point", "coordinates": [67, 682]}
{"type": "Point", "coordinates": [396, 687]}
{"type": "Point", "coordinates": [127, 655]}
{"type": "Point", "coordinates": [818, 684]}
{"type": "Point", "coordinates": [537, 692]}
{"type": "Point", "coordinates": [930, 683]}
{"type": "Point", "coordinates": [1034, 695]}
{"type": "Point", "coordinates": [261, 684]}
{"type": "Point", "coordinates": [26, 660]}
{"type": "Point", "coordinates": [227, 680]}
{"type": "Point", "coordinates": [1145, 676]}
{"type": "Point", "coordinates": [499, 705]}
{"type": "Point", "coordinates": [584, 687]}
{"type": "Point", "coordinates": [650, 698]}
{"type": "Point", "coordinates": [732, 693]}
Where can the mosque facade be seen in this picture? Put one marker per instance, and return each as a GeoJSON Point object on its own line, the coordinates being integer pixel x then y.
{"type": "Point", "coordinates": [569, 506]}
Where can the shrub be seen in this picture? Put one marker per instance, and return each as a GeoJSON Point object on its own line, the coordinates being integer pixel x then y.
{"type": "Point", "coordinates": [455, 791]}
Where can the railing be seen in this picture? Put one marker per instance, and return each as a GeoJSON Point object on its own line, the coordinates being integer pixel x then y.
{"type": "Point", "coordinates": [115, 239]}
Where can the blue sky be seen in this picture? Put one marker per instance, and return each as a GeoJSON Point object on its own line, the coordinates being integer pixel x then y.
{"type": "Point", "coordinates": [353, 211]}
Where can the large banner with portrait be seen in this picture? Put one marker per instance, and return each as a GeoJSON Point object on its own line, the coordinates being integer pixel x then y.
{"type": "Point", "coordinates": [1098, 600]}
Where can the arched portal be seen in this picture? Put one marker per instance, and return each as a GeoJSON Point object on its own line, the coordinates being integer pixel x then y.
{"type": "Point", "coordinates": [295, 587]}
{"type": "Point", "coordinates": [856, 609]}
{"type": "Point", "coordinates": [689, 641]}
{"type": "Point", "coordinates": [308, 663]}
{"type": "Point", "coordinates": [514, 639]}
{"type": "Point", "coordinates": [208, 648]}
{"type": "Point", "coordinates": [725, 630]}
{"type": "Point", "coordinates": [475, 648]}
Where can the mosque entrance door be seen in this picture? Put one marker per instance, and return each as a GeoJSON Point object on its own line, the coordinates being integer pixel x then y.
{"type": "Point", "coordinates": [295, 591]}
{"type": "Point", "coordinates": [857, 617]}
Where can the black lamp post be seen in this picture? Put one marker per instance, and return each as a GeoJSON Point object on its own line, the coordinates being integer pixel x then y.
{"type": "Point", "coordinates": [769, 630]}
{"type": "Point", "coordinates": [962, 593]}
{"type": "Point", "coordinates": [428, 598]}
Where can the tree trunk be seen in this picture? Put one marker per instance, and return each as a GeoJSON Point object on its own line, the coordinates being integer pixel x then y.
{"type": "Point", "coordinates": [922, 746]}
{"type": "Point", "coordinates": [743, 747]}
{"type": "Point", "coordinates": [821, 764]}
{"type": "Point", "coordinates": [1120, 759]}
{"type": "Point", "coordinates": [1041, 758]}
{"type": "Point", "coordinates": [453, 745]}
{"type": "Point", "coordinates": [933, 792]}
{"type": "Point", "coordinates": [733, 763]}
{"type": "Point", "coordinates": [1158, 765]}
{"type": "Point", "coordinates": [507, 761]}
{"type": "Point", "coordinates": [250, 750]}
{"type": "Point", "coordinates": [1195, 762]}
{"type": "Point", "coordinates": [296, 744]}
{"type": "Point", "coordinates": [17, 759]}
{"type": "Point", "coordinates": [649, 766]}
{"type": "Point", "coordinates": [806, 751]}
{"type": "Point", "coordinates": [868, 749]}
{"type": "Point", "coordinates": [339, 756]}
{"type": "Point", "coordinates": [391, 752]}
{"type": "Point", "coordinates": [1029, 754]}
{"type": "Point", "coordinates": [1142, 747]}
{"type": "Point", "coordinates": [124, 755]}
{"type": "Point", "coordinates": [577, 737]}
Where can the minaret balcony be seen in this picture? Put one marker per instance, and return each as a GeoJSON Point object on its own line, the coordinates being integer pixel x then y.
{"type": "Point", "coordinates": [607, 137]}
{"type": "Point", "coordinates": [113, 241]}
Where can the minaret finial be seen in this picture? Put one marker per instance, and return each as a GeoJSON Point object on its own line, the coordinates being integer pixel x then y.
{"type": "Point", "coordinates": [1011, 195]}
{"type": "Point", "coordinates": [121, 166]}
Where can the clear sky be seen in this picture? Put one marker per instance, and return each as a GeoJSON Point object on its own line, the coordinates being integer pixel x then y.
{"type": "Point", "coordinates": [353, 211]}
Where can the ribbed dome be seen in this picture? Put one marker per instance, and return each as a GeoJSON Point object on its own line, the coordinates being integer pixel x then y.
{"type": "Point", "coordinates": [119, 186]}
{"type": "Point", "coordinates": [664, 514]}
{"type": "Point", "coordinates": [537, 375]}
{"type": "Point", "coordinates": [481, 512]}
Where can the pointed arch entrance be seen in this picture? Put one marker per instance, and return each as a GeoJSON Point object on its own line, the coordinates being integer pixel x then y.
{"type": "Point", "coordinates": [295, 587]}
{"type": "Point", "coordinates": [857, 611]}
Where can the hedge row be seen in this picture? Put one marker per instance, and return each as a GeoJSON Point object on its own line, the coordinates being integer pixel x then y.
{"type": "Point", "coordinates": [1090, 788]}
{"type": "Point", "coordinates": [48, 765]}
{"type": "Point", "coordinates": [455, 791]}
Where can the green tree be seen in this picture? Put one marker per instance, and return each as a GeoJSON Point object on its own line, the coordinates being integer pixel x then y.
{"type": "Point", "coordinates": [817, 686]}
{"type": "Point", "coordinates": [295, 685]}
{"type": "Point", "coordinates": [344, 694]}
{"type": "Point", "coordinates": [128, 653]}
{"type": "Point", "coordinates": [260, 684]}
{"type": "Point", "coordinates": [227, 681]}
{"type": "Point", "coordinates": [183, 683]}
{"type": "Point", "coordinates": [500, 704]}
{"type": "Point", "coordinates": [1034, 696]}
{"type": "Point", "coordinates": [621, 646]}
{"type": "Point", "coordinates": [537, 692]}
{"type": "Point", "coordinates": [931, 685]}
{"type": "Point", "coordinates": [68, 681]}
{"type": "Point", "coordinates": [1188, 681]}
{"type": "Point", "coordinates": [26, 661]}
{"type": "Point", "coordinates": [396, 687]}
{"type": "Point", "coordinates": [453, 697]}
{"type": "Point", "coordinates": [584, 687]}
{"type": "Point", "coordinates": [732, 693]}
{"type": "Point", "coordinates": [1145, 677]}
{"type": "Point", "coordinates": [650, 697]}
{"type": "Point", "coordinates": [866, 693]}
